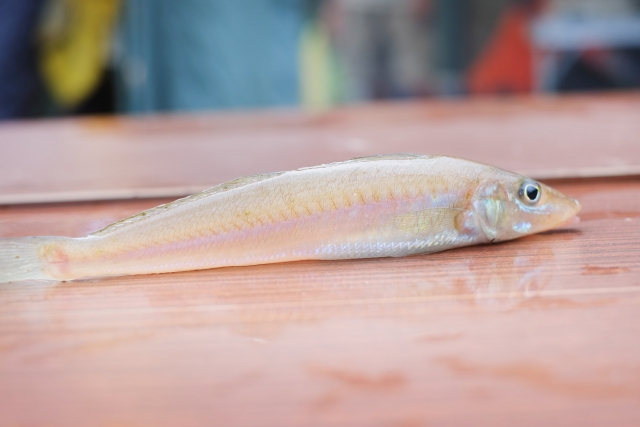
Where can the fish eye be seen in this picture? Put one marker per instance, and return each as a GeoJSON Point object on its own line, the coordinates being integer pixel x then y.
{"type": "Point", "coordinates": [530, 192]}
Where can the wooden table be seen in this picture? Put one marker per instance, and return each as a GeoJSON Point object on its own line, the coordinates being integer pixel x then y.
{"type": "Point", "coordinates": [539, 331]}
{"type": "Point", "coordinates": [171, 156]}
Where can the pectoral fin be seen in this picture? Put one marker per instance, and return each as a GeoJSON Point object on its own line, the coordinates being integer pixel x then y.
{"type": "Point", "coordinates": [431, 221]}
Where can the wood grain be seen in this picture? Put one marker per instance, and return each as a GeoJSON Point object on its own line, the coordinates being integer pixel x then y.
{"type": "Point", "coordinates": [124, 157]}
{"type": "Point", "coordinates": [539, 331]}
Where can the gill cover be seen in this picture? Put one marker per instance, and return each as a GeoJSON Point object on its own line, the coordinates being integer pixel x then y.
{"type": "Point", "coordinates": [491, 203]}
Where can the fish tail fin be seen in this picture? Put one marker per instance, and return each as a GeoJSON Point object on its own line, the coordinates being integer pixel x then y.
{"type": "Point", "coordinates": [19, 259]}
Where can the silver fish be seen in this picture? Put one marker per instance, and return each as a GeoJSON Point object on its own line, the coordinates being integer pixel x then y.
{"type": "Point", "coordinates": [382, 206]}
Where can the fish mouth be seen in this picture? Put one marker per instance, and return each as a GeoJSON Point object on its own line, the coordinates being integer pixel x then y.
{"type": "Point", "coordinates": [572, 207]}
{"type": "Point", "coordinates": [576, 206]}
{"type": "Point", "coordinates": [566, 207]}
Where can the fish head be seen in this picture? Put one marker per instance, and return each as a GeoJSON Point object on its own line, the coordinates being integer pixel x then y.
{"type": "Point", "coordinates": [512, 206]}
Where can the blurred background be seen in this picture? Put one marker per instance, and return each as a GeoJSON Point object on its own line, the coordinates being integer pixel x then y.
{"type": "Point", "coordinates": [74, 57]}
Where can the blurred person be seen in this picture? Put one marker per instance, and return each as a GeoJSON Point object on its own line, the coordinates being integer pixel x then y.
{"type": "Point", "coordinates": [209, 54]}
{"type": "Point", "coordinates": [505, 64]}
{"type": "Point", "coordinates": [453, 32]}
{"type": "Point", "coordinates": [510, 63]}
{"type": "Point", "coordinates": [19, 81]}
{"type": "Point", "coordinates": [385, 47]}
{"type": "Point", "coordinates": [485, 16]}
{"type": "Point", "coordinates": [75, 46]}
{"type": "Point", "coordinates": [608, 59]}
{"type": "Point", "coordinates": [322, 74]}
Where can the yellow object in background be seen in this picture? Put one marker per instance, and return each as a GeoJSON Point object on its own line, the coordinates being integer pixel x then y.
{"type": "Point", "coordinates": [320, 77]}
{"type": "Point", "coordinates": [75, 45]}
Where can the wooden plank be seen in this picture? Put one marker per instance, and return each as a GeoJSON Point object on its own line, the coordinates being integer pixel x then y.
{"type": "Point", "coordinates": [539, 331]}
{"type": "Point", "coordinates": [171, 156]}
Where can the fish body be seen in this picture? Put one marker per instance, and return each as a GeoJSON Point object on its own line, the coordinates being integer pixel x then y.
{"type": "Point", "coordinates": [384, 206]}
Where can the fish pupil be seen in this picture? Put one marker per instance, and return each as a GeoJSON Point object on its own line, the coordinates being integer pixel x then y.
{"type": "Point", "coordinates": [532, 192]}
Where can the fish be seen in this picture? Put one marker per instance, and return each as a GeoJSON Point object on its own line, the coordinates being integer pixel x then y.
{"type": "Point", "coordinates": [380, 206]}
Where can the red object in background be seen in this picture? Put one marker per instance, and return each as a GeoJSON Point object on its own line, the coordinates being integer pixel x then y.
{"type": "Point", "coordinates": [506, 63]}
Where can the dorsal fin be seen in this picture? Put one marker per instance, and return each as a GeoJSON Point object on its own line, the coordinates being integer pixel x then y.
{"type": "Point", "coordinates": [373, 159]}
{"type": "Point", "coordinates": [221, 188]}
{"type": "Point", "coordinates": [394, 156]}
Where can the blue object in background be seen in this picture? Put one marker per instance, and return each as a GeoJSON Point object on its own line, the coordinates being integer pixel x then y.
{"type": "Point", "coordinates": [19, 81]}
{"type": "Point", "coordinates": [209, 54]}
